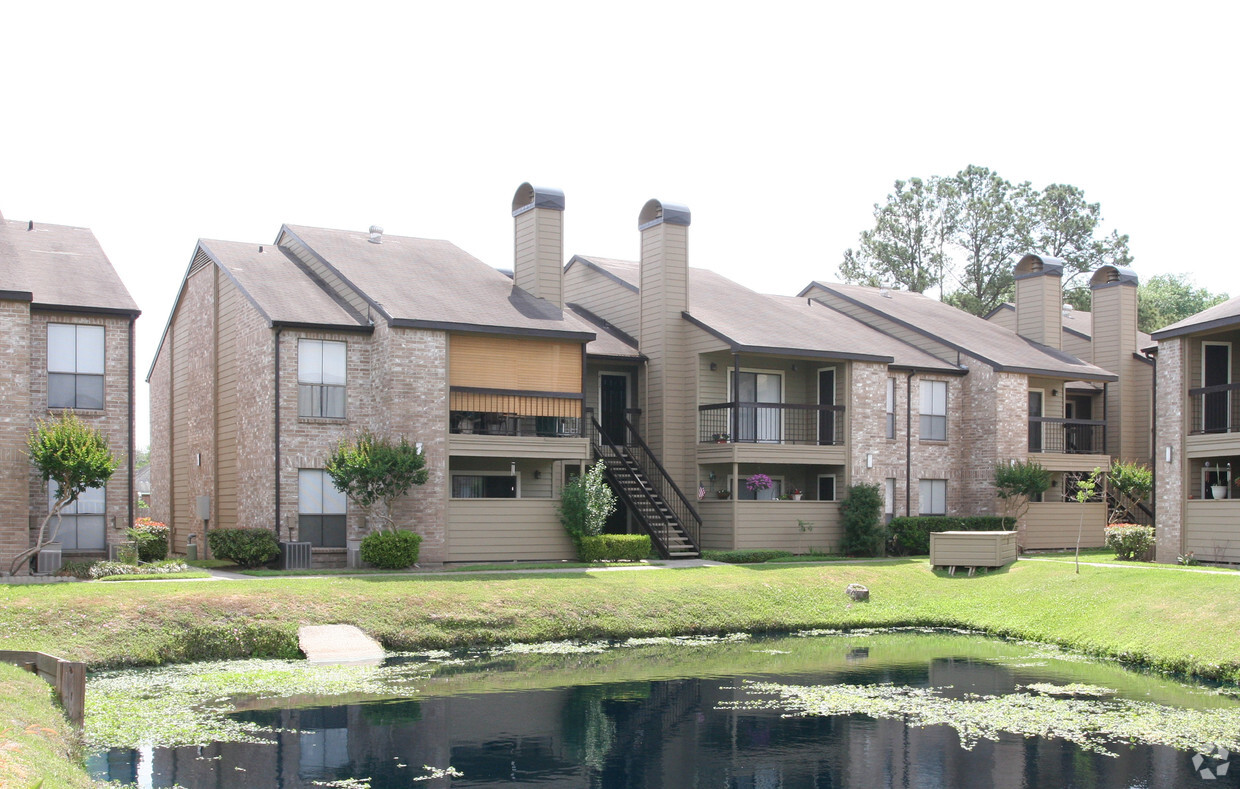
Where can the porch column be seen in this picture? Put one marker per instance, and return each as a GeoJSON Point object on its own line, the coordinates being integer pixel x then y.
{"type": "Point", "coordinates": [736, 395]}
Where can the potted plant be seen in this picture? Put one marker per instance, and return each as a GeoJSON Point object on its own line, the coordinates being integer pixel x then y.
{"type": "Point", "coordinates": [723, 493]}
{"type": "Point", "coordinates": [721, 438]}
{"type": "Point", "coordinates": [759, 482]}
{"type": "Point", "coordinates": [796, 494]}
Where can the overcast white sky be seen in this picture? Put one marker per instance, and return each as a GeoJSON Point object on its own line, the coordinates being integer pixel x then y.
{"type": "Point", "coordinates": [778, 124]}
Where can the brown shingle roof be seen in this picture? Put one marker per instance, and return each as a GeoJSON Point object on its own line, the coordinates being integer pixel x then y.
{"type": "Point", "coordinates": [434, 284]}
{"type": "Point", "coordinates": [60, 266]}
{"type": "Point", "coordinates": [278, 285]}
{"type": "Point", "coordinates": [1001, 348]}
{"type": "Point", "coordinates": [752, 321]}
{"type": "Point", "coordinates": [1220, 316]}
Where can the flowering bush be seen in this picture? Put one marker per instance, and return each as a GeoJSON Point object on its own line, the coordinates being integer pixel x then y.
{"type": "Point", "coordinates": [759, 482]}
{"type": "Point", "coordinates": [108, 569]}
{"type": "Point", "coordinates": [151, 537]}
{"type": "Point", "coordinates": [1130, 541]}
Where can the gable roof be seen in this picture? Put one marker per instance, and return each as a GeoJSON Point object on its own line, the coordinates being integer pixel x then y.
{"type": "Point", "coordinates": [433, 284]}
{"type": "Point", "coordinates": [60, 266]}
{"type": "Point", "coordinates": [1003, 349]}
{"type": "Point", "coordinates": [758, 323]}
{"type": "Point", "coordinates": [1220, 316]}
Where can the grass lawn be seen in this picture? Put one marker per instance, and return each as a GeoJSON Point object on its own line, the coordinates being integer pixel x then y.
{"type": "Point", "coordinates": [37, 745]}
{"type": "Point", "coordinates": [1172, 620]}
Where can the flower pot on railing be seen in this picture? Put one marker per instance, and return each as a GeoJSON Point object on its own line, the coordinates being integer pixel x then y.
{"type": "Point", "coordinates": [1218, 491]}
{"type": "Point", "coordinates": [796, 496]}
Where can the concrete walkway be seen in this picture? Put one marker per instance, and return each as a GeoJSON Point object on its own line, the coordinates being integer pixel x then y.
{"type": "Point", "coordinates": [343, 645]}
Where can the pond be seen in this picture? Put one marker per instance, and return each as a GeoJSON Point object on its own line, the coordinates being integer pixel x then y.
{"type": "Point", "coordinates": [819, 709]}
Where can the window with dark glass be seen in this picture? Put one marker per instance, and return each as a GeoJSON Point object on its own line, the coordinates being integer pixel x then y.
{"type": "Point", "coordinates": [74, 366]}
{"type": "Point", "coordinates": [484, 486]}
{"type": "Point", "coordinates": [320, 510]}
{"type": "Point", "coordinates": [321, 378]}
{"type": "Point", "coordinates": [934, 410]}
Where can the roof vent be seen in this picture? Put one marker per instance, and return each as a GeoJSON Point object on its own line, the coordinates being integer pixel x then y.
{"type": "Point", "coordinates": [1067, 311]}
{"type": "Point", "coordinates": [30, 226]}
{"type": "Point", "coordinates": [376, 234]}
{"type": "Point", "coordinates": [260, 247]}
{"type": "Point", "coordinates": [884, 290]}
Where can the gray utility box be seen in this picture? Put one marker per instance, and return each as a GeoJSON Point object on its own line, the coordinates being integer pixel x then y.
{"type": "Point", "coordinates": [50, 559]}
{"type": "Point", "coordinates": [294, 556]}
{"type": "Point", "coordinates": [354, 560]}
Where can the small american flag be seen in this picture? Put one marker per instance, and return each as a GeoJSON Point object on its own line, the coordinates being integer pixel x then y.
{"type": "Point", "coordinates": [701, 492]}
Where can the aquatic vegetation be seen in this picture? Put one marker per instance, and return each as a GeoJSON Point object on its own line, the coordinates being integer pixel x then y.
{"type": "Point", "coordinates": [1091, 723]}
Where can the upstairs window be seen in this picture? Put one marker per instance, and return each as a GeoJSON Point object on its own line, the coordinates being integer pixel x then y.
{"type": "Point", "coordinates": [321, 509]}
{"type": "Point", "coordinates": [74, 366]}
{"type": "Point", "coordinates": [934, 410]}
{"type": "Point", "coordinates": [320, 378]}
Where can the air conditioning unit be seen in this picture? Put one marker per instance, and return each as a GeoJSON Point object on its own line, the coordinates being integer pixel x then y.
{"type": "Point", "coordinates": [49, 560]}
{"type": "Point", "coordinates": [294, 556]}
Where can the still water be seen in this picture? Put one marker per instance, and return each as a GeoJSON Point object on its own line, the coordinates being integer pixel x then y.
{"type": "Point", "coordinates": [884, 709]}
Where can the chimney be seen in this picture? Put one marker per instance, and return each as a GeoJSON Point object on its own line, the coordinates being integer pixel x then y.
{"type": "Point", "coordinates": [1113, 293]}
{"type": "Point", "coordinates": [1039, 295]}
{"type": "Point", "coordinates": [538, 262]}
{"type": "Point", "coordinates": [670, 383]}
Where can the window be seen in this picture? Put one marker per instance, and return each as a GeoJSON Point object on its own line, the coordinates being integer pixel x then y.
{"type": "Point", "coordinates": [320, 510]}
{"type": "Point", "coordinates": [743, 493]}
{"type": "Point", "coordinates": [82, 521]}
{"type": "Point", "coordinates": [320, 378]}
{"type": "Point", "coordinates": [934, 410]}
{"type": "Point", "coordinates": [483, 485]}
{"type": "Point", "coordinates": [891, 408]}
{"type": "Point", "coordinates": [889, 497]}
{"type": "Point", "coordinates": [933, 497]}
{"type": "Point", "coordinates": [826, 487]}
{"type": "Point", "coordinates": [74, 366]}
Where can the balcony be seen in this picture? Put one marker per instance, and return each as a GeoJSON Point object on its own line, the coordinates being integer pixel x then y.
{"type": "Point", "coordinates": [1068, 444]}
{"type": "Point", "coordinates": [791, 432]}
{"type": "Point", "coordinates": [1215, 409]}
{"type": "Point", "coordinates": [496, 423]}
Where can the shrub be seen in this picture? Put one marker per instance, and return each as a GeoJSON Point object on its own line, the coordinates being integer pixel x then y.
{"type": "Point", "coordinates": [151, 537]}
{"type": "Point", "coordinates": [586, 502]}
{"type": "Point", "coordinates": [1130, 541]}
{"type": "Point", "coordinates": [911, 536]}
{"type": "Point", "coordinates": [77, 568]}
{"type": "Point", "coordinates": [109, 569]}
{"type": "Point", "coordinates": [614, 548]}
{"type": "Point", "coordinates": [860, 511]}
{"type": "Point", "coordinates": [391, 550]}
{"type": "Point", "coordinates": [246, 547]}
{"type": "Point", "coordinates": [750, 556]}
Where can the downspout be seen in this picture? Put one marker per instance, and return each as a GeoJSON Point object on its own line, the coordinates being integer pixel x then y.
{"type": "Point", "coordinates": [908, 445]}
{"type": "Point", "coordinates": [132, 319]}
{"type": "Point", "coordinates": [277, 430]}
{"type": "Point", "coordinates": [1154, 438]}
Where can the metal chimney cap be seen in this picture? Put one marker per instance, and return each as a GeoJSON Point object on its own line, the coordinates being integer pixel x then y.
{"type": "Point", "coordinates": [1032, 265]}
{"type": "Point", "coordinates": [657, 212]}
{"type": "Point", "coordinates": [1112, 275]}
{"type": "Point", "coordinates": [376, 234]}
{"type": "Point", "coordinates": [529, 196]}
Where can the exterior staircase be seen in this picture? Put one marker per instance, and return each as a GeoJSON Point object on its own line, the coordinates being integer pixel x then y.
{"type": "Point", "coordinates": [653, 497]}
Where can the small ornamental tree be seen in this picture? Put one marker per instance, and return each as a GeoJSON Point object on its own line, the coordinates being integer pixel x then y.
{"type": "Point", "coordinates": [861, 512]}
{"type": "Point", "coordinates": [373, 470]}
{"type": "Point", "coordinates": [586, 502]}
{"type": "Point", "coordinates": [1019, 483]}
{"type": "Point", "coordinates": [1085, 489]}
{"type": "Point", "coordinates": [1132, 483]}
{"type": "Point", "coordinates": [75, 457]}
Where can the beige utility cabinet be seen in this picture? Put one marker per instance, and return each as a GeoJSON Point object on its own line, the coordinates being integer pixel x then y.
{"type": "Point", "coordinates": [972, 548]}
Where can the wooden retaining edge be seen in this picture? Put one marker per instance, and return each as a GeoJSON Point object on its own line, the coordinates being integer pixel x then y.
{"type": "Point", "coordinates": [68, 677]}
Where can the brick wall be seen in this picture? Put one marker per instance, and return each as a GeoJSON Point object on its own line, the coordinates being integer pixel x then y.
{"type": "Point", "coordinates": [113, 421]}
{"type": "Point", "coordinates": [1170, 397]}
{"type": "Point", "coordinates": [14, 426]}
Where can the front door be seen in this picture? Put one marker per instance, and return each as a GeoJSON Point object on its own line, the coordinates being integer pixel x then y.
{"type": "Point", "coordinates": [1035, 427]}
{"type": "Point", "coordinates": [826, 396]}
{"type": "Point", "coordinates": [613, 402]}
{"type": "Point", "coordinates": [1216, 371]}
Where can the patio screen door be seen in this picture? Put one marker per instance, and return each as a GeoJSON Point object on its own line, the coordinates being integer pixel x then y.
{"type": "Point", "coordinates": [756, 423]}
{"type": "Point", "coordinates": [826, 396]}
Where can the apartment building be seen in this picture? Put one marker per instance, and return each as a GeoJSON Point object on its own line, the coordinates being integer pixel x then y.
{"type": "Point", "coordinates": [67, 323]}
{"type": "Point", "coordinates": [1197, 443]}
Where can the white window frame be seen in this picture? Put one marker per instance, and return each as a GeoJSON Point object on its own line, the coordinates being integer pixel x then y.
{"type": "Point", "coordinates": [94, 368]}
{"type": "Point", "coordinates": [921, 495]}
{"type": "Point", "coordinates": [315, 395]}
{"type": "Point", "coordinates": [471, 473]}
{"type": "Point", "coordinates": [928, 386]}
{"type": "Point", "coordinates": [783, 387]}
{"type": "Point", "coordinates": [71, 519]}
{"type": "Point", "coordinates": [834, 487]}
{"type": "Point", "coordinates": [319, 508]}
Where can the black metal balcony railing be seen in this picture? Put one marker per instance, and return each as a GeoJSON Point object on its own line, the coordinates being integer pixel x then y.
{"type": "Point", "coordinates": [771, 423]}
{"type": "Point", "coordinates": [1216, 409]}
{"type": "Point", "coordinates": [1069, 436]}
{"type": "Point", "coordinates": [514, 413]}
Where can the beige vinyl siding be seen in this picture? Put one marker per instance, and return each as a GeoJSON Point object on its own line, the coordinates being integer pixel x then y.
{"type": "Point", "coordinates": [514, 363]}
{"type": "Point", "coordinates": [885, 325]}
{"type": "Point", "coordinates": [1212, 530]}
{"type": "Point", "coordinates": [181, 504]}
{"type": "Point", "coordinates": [1054, 524]}
{"type": "Point", "coordinates": [329, 277]}
{"type": "Point", "coordinates": [539, 250]}
{"type": "Point", "coordinates": [718, 526]}
{"type": "Point", "coordinates": [604, 297]}
{"type": "Point", "coordinates": [972, 549]}
{"type": "Point", "coordinates": [1079, 347]}
{"type": "Point", "coordinates": [776, 525]}
{"type": "Point", "coordinates": [482, 530]}
{"type": "Point", "coordinates": [1004, 317]}
{"type": "Point", "coordinates": [1038, 305]}
{"type": "Point", "coordinates": [228, 308]}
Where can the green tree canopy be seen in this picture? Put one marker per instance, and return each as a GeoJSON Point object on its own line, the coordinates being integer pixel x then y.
{"type": "Point", "coordinates": [373, 470]}
{"type": "Point", "coordinates": [1018, 483]}
{"type": "Point", "coordinates": [1165, 299]}
{"type": "Point", "coordinates": [74, 457]}
{"type": "Point", "coordinates": [964, 232]}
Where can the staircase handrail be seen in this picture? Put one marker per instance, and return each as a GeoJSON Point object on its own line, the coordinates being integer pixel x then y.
{"type": "Point", "coordinates": [667, 478]}
{"type": "Point", "coordinates": [606, 442]}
